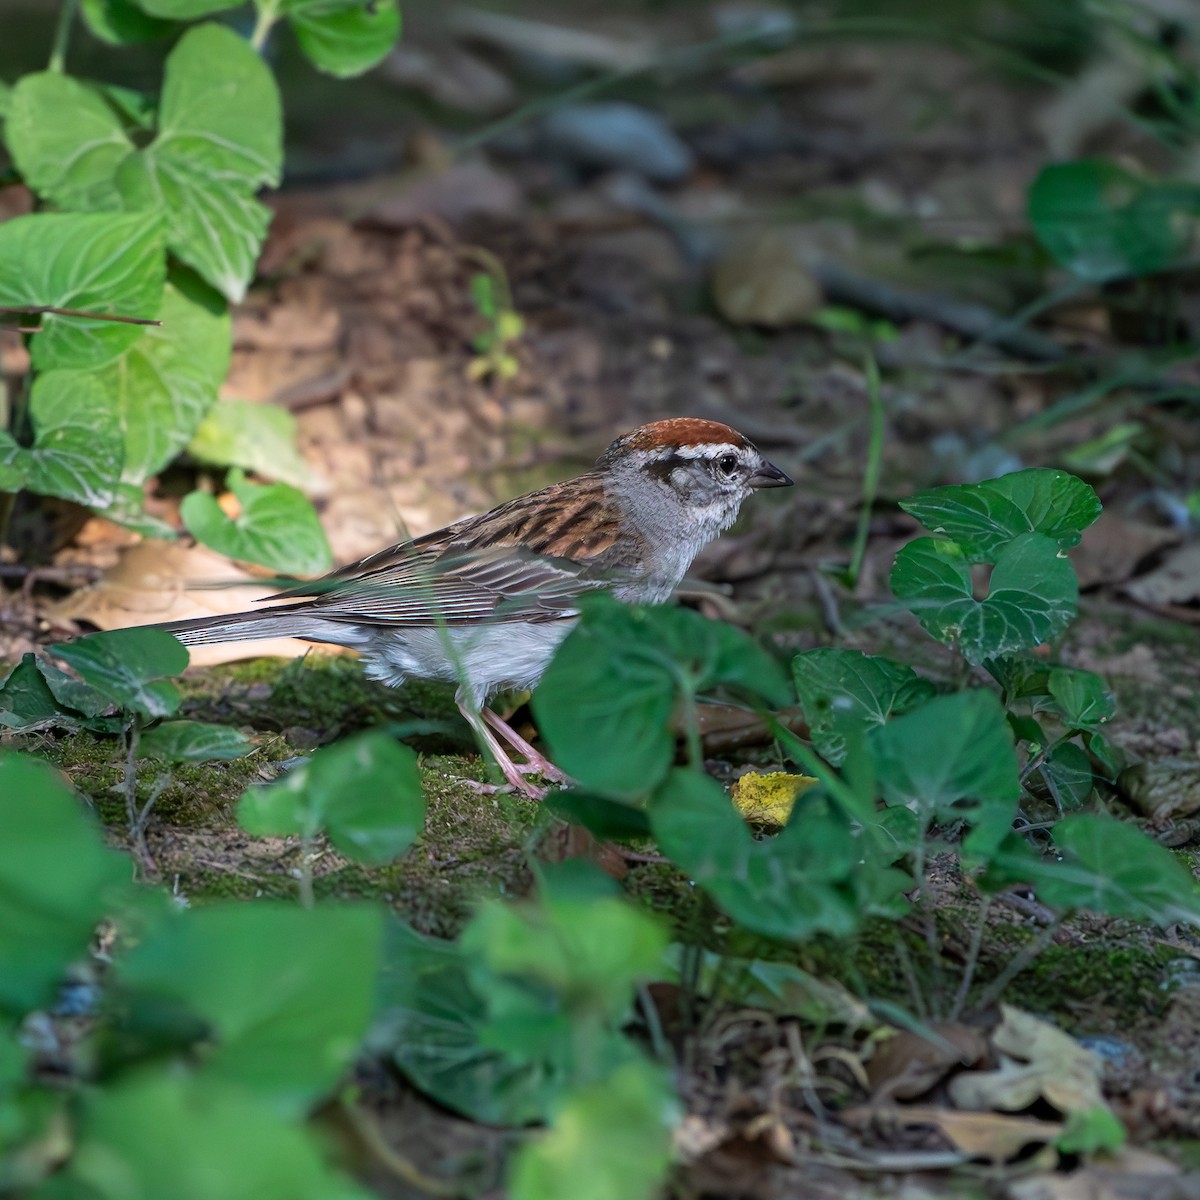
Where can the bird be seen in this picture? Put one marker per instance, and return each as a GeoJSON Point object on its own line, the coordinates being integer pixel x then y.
{"type": "Point", "coordinates": [485, 602]}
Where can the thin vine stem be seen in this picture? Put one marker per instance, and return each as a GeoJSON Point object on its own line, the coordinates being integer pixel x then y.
{"type": "Point", "coordinates": [62, 36]}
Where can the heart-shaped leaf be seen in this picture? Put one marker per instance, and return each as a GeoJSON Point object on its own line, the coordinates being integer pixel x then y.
{"type": "Point", "coordinates": [194, 741]}
{"type": "Point", "coordinates": [1082, 697]}
{"type": "Point", "coordinates": [808, 879]}
{"type": "Point", "coordinates": [267, 979]}
{"type": "Point", "coordinates": [258, 437]}
{"type": "Point", "coordinates": [57, 880]}
{"type": "Point", "coordinates": [618, 677]}
{"type": "Point", "coordinates": [365, 792]}
{"type": "Point", "coordinates": [952, 749]}
{"type": "Point", "coordinates": [121, 22]}
{"type": "Point", "coordinates": [211, 1140]}
{"type": "Point", "coordinates": [104, 262]}
{"type": "Point", "coordinates": [165, 383]}
{"type": "Point", "coordinates": [984, 517]}
{"type": "Point", "coordinates": [844, 692]}
{"type": "Point", "coordinates": [129, 666]}
{"type": "Point", "coordinates": [66, 140]}
{"type": "Point", "coordinates": [1103, 864]}
{"type": "Point", "coordinates": [77, 450]}
{"type": "Point", "coordinates": [219, 140]}
{"type": "Point", "coordinates": [1032, 596]}
{"type": "Point", "coordinates": [277, 527]}
{"type": "Point", "coordinates": [343, 37]}
{"type": "Point", "coordinates": [1101, 221]}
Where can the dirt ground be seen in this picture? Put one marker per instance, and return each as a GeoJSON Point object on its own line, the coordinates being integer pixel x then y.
{"type": "Point", "coordinates": [904, 163]}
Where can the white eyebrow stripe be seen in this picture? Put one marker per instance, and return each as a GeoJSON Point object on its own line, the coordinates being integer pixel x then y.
{"type": "Point", "coordinates": [701, 450]}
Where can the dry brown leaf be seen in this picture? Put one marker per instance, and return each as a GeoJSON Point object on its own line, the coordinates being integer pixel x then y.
{"type": "Point", "coordinates": [1130, 1174]}
{"type": "Point", "coordinates": [1112, 548]}
{"type": "Point", "coordinates": [163, 581]}
{"type": "Point", "coordinates": [1052, 1065]}
{"type": "Point", "coordinates": [993, 1136]}
{"type": "Point", "coordinates": [1176, 581]}
{"type": "Point", "coordinates": [908, 1064]}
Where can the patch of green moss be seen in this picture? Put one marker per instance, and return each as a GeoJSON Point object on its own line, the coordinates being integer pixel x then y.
{"type": "Point", "coordinates": [320, 698]}
{"type": "Point", "coordinates": [1096, 985]}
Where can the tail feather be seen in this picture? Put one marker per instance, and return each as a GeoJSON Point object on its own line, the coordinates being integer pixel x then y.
{"type": "Point", "coordinates": [259, 624]}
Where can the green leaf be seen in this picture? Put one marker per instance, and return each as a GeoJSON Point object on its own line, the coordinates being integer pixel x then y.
{"type": "Point", "coordinates": [800, 882]}
{"type": "Point", "coordinates": [121, 22]}
{"type": "Point", "coordinates": [1091, 1129]}
{"type": "Point", "coordinates": [343, 37]}
{"type": "Point", "coordinates": [953, 749]}
{"type": "Point", "coordinates": [186, 10]}
{"type": "Point", "coordinates": [108, 263]}
{"type": "Point", "coordinates": [165, 383]}
{"type": "Point", "coordinates": [592, 951]}
{"type": "Point", "coordinates": [1101, 221]}
{"type": "Point", "coordinates": [66, 141]}
{"type": "Point", "coordinates": [219, 140]}
{"type": "Point", "coordinates": [983, 518]}
{"type": "Point", "coordinates": [77, 449]}
{"type": "Point", "coordinates": [209, 1142]}
{"type": "Point", "coordinates": [364, 791]}
{"type": "Point", "coordinates": [257, 437]}
{"type": "Point", "coordinates": [286, 991]}
{"type": "Point", "coordinates": [620, 674]}
{"type": "Point", "coordinates": [1104, 865]}
{"type": "Point", "coordinates": [57, 879]}
{"type": "Point", "coordinates": [25, 700]}
{"type": "Point", "coordinates": [610, 1141]}
{"type": "Point", "coordinates": [1066, 777]}
{"type": "Point", "coordinates": [600, 816]}
{"type": "Point", "coordinates": [1032, 597]}
{"type": "Point", "coordinates": [277, 527]}
{"type": "Point", "coordinates": [1082, 697]}
{"type": "Point", "coordinates": [845, 691]}
{"type": "Point", "coordinates": [194, 741]}
{"type": "Point", "coordinates": [129, 666]}
{"type": "Point", "coordinates": [430, 1022]}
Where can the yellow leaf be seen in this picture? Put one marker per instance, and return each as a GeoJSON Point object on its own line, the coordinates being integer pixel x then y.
{"type": "Point", "coordinates": [768, 799]}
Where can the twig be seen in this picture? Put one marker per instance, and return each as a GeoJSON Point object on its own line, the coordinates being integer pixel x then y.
{"type": "Point", "coordinates": [394, 1162]}
{"type": "Point", "coordinates": [1017, 964]}
{"type": "Point", "coordinates": [35, 310]}
{"type": "Point", "coordinates": [870, 473]}
{"type": "Point", "coordinates": [902, 304]}
{"type": "Point", "coordinates": [960, 997]}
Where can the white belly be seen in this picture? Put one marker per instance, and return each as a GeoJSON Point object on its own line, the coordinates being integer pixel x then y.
{"type": "Point", "coordinates": [480, 659]}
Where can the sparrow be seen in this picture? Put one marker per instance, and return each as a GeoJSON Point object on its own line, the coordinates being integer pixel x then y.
{"type": "Point", "coordinates": [485, 602]}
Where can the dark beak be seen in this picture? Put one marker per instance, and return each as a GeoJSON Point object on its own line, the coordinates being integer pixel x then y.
{"type": "Point", "coordinates": [768, 475]}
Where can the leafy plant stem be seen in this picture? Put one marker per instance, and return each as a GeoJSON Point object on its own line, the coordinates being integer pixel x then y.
{"type": "Point", "coordinates": [915, 996]}
{"type": "Point", "coordinates": [653, 1025]}
{"type": "Point", "coordinates": [960, 997]}
{"type": "Point", "coordinates": [1016, 965]}
{"type": "Point", "coordinates": [306, 871]}
{"type": "Point", "coordinates": [62, 35]}
{"type": "Point", "coordinates": [926, 908]}
{"type": "Point", "coordinates": [267, 16]}
{"type": "Point", "coordinates": [871, 472]}
{"type": "Point", "coordinates": [136, 820]}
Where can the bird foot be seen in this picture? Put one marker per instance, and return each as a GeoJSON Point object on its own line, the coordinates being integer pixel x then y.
{"type": "Point", "coordinates": [524, 787]}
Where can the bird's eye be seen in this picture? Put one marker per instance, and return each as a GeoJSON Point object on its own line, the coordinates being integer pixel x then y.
{"type": "Point", "coordinates": [727, 464]}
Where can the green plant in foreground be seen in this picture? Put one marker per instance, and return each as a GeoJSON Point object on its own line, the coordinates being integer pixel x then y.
{"type": "Point", "coordinates": [223, 1027]}
{"type": "Point", "coordinates": [157, 218]}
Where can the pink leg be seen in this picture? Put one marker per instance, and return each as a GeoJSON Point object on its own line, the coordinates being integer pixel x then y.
{"type": "Point", "coordinates": [509, 769]}
{"type": "Point", "coordinates": [534, 762]}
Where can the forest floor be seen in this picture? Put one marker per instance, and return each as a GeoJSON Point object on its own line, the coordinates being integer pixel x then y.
{"type": "Point", "coordinates": [906, 164]}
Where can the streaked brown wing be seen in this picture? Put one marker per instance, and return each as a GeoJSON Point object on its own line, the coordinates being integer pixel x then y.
{"type": "Point", "coordinates": [523, 561]}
